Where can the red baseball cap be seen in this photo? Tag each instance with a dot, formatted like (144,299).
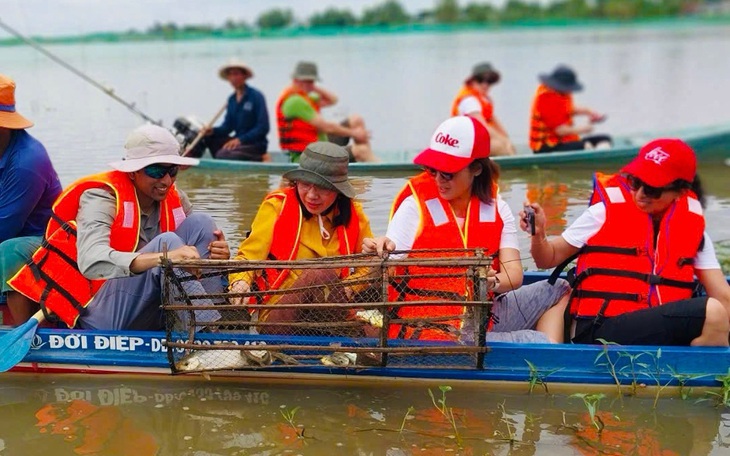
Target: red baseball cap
(663,161)
(456,143)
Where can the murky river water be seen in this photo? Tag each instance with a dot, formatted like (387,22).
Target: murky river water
(647,79)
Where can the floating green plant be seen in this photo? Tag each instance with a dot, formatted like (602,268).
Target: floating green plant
(592,402)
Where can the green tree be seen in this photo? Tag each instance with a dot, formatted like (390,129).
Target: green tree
(569,9)
(516,10)
(275,18)
(447,12)
(333,17)
(480,12)
(389,12)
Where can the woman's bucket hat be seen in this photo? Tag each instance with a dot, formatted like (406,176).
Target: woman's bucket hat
(324,164)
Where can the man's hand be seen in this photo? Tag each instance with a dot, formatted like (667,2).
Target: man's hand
(207,131)
(360,135)
(219,249)
(186,252)
(239,286)
(231,144)
(377,245)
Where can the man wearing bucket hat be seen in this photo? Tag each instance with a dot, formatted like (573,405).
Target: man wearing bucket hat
(551,124)
(28,187)
(639,246)
(455,204)
(473,100)
(316,216)
(247,119)
(299,121)
(98,268)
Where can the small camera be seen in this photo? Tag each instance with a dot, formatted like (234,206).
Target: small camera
(530,218)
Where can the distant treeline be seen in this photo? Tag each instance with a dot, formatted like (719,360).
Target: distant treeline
(392,13)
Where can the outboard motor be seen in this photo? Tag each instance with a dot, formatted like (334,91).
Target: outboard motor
(186,129)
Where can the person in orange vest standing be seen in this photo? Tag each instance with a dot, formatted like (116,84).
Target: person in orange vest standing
(98,267)
(28,187)
(315,216)
(552,128)
(300,123)
(457,205)
(639,246)
(473,100)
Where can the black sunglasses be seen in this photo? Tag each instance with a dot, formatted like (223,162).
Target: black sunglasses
(433,172)
(651,192)
(158,171)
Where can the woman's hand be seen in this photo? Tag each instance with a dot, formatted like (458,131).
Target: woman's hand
(239,286)
(540,221)
(377,245)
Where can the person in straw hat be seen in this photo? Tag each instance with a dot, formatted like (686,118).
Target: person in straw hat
(28,187)
(473,100)
(551,126)
(315,216)
(100,265)
(300,123)
(242,135)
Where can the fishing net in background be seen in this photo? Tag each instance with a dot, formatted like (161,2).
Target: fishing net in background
(426,309)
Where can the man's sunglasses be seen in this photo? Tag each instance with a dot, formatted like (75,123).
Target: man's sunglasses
(433,172)
(651,192)
(158,171)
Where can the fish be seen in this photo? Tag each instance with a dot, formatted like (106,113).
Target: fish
(339,359)
(373,317)
(202,360)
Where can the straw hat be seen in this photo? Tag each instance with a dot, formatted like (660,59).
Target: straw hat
(9,117)
(324,164)
(235,63)
(150,144)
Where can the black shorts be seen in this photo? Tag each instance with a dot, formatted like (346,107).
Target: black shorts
(674,323)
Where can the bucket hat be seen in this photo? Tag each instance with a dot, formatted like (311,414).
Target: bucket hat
(9,117)
(150,144)
(487,71)
(235,63)
(663,161)
(324,164)
(562,79)
(306,71)
(456,143)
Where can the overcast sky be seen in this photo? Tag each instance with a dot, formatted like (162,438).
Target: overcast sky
(70,17)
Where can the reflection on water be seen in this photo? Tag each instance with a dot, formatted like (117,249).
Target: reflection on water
(233,198)
(79,415)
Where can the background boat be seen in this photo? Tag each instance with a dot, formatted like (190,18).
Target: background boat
(711,143)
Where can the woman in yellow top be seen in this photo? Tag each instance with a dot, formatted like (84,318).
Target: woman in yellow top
(314,217)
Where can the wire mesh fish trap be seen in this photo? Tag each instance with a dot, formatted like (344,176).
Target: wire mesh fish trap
(425,309)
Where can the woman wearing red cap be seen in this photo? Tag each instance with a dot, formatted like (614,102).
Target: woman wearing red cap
(457,206)
(639,246)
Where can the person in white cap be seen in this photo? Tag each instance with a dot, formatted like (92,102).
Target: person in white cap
(99,267)
(242,135)
(457,205)
(28,187)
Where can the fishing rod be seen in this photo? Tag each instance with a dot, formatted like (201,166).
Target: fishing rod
(107,90)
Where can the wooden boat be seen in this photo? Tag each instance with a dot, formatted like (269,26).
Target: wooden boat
(712,144)
(128,352)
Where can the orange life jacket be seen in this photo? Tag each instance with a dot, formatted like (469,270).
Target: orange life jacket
(485,102)
(52,277)
(620,270)
(542,135)
(287,233)
(438,229)
(294,134)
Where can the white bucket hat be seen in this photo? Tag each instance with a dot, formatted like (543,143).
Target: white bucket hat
(150,144)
